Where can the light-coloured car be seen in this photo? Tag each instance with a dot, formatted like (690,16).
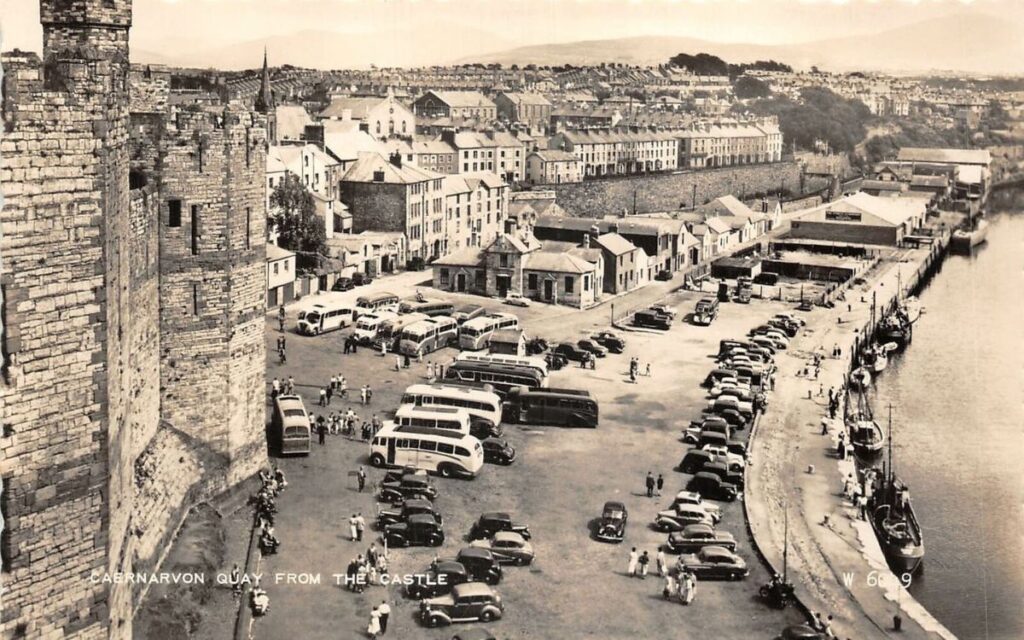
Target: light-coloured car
(508,547)
(691,498)
(722,453)
(517,300)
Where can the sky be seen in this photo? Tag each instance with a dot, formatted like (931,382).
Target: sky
(166,27)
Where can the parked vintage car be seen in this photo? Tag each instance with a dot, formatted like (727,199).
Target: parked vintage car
(420,530)
(437,580)
(592,347)
(714,563)
(800,632)
(680,516)
(612,525)
(691,498)
(664,309)
(695,537)
(409,508)
(406,487)
(474,633)
(735,460)
(663,275)
(694,460)
(508,547)
(711,487)
(724,471)
(360,279)
(467,602)
(516,300)
(480,563)
(571,352)
(494,522)
(610,341)
(498,451)
(343,284)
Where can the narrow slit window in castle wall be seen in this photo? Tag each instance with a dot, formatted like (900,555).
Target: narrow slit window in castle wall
(174,213)
(195,229)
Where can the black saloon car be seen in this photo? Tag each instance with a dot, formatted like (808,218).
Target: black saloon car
(711,487)
(420,530)
(438,580)
(409,508)
(498,451)
(343,284)
(612,526)
(491,523)
(571,352)
(481,565)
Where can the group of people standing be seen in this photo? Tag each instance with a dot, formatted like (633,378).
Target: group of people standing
(634,369)
(683,587)
(366,570)
(653,486)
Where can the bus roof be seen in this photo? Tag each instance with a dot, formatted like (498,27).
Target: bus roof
(496,367)
(487,320)
(451,412)
(433,389)
(376,297)
(394,430)
(558,392)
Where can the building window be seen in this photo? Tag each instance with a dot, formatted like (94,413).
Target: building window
(586,283)
(195,299)
(195,229)
(444,276)
(504,260)
(275,268)
(532,281)
(174,213)
(569,283)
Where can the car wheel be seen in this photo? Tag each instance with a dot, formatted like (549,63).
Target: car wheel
(445,470)
(435,621)
(435,541)
(377,460)
(486,616)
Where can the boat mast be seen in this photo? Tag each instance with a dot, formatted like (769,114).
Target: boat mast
(785,547)
(890,446)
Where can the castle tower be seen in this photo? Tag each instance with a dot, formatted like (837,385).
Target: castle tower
(66,464)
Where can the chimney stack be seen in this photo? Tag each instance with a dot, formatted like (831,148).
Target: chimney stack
(396,159)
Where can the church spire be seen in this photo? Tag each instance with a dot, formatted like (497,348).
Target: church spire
(265,97)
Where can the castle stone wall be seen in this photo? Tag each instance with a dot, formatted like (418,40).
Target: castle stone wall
(668,192)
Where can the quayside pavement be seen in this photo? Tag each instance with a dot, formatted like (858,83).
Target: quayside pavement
(837,566)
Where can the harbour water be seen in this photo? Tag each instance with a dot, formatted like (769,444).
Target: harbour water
(958,408)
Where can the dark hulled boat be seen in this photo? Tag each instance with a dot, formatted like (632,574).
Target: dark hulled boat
(894,521)
(866,436)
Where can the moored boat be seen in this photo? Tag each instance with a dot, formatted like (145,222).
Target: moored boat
(860,379)
(866,436)
(967,239)
(893,519)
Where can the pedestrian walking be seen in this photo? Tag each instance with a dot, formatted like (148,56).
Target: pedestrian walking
(321,431)
(355,346)
(406,361)
(862,503)
(649,483)
(280,318)
(291,384)
(348,346)
(632,376)
(430,371)
(398,362)
(644,561)
(847,484)
(362,394)
(384,348)
(659,485)
(330,394)
(385,612)
(647,370)
(440,371)
(343,387)
(334,383)
(323,397)
(236,580)
(633,558)
(360,526)
(369,397)
(662,563)
(275,388)
(361,478)
(353,528)
(687,587)
(373,630)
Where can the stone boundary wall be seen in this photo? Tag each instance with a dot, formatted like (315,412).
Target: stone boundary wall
(669,192)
